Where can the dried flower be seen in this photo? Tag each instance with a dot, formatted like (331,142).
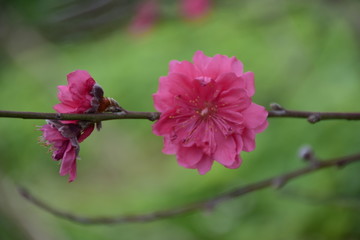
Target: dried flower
(207,113)
(81,95)
(64,140)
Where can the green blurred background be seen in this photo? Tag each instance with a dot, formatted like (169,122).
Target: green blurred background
(305,56)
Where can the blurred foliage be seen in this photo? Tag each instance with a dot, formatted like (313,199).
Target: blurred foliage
(305,55)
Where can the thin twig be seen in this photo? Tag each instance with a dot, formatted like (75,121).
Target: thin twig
(210,203)
(276,112)
(352,202)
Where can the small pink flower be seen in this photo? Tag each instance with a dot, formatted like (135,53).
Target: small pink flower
(64,140)
(81,95)
(76,97)
(194,8)
(207,113)
(146,15)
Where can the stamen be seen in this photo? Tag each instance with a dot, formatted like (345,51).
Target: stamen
(204,112)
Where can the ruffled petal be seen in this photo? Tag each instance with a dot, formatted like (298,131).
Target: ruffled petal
(64,95)
(67,162)
(169,146)
(229,80)
(80,79)
(237,162)
(249,83)
(189,156)
(226,152)
(204,165)
(223,64)
(72,173)
(201,60)
(63,108)
(262,127)
(164,125)
(237,66)
(59,150)
(51,134)
(235,99)
(184,67)
(255,116)
(248,138)
(173,86)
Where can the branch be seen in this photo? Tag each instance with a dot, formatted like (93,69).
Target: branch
(93,117)
(210,203)
(276,112)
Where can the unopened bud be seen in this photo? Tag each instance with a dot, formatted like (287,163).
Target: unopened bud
(276,107)
(306,153)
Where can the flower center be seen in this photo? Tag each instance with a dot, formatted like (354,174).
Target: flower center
(207,110)
(204,112)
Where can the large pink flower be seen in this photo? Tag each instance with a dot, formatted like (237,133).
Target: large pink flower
(207,113)
(64,140)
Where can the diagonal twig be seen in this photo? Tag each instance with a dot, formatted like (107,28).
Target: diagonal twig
(210,203)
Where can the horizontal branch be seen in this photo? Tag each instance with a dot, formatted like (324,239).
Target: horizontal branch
(277,182)
(276,112)
(93,117)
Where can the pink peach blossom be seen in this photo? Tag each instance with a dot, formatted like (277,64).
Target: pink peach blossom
(76,97)
(194,8)
(207,113)
(81,95)
(147,13)
(64,140)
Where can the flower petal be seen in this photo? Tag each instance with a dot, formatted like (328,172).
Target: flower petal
(229,80)
(165,124)
(201,60)
(72,173)
(223,64)
(237,162)
(169,147)
(226,151)
(235,98)
(255,116)
(184,67)
(189,156)
(248,138)
(204,165)
(173,86)
(249,83)
(67,162)
(86,133)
